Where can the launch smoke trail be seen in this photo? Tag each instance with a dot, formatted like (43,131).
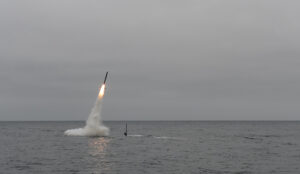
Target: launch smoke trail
(94,126)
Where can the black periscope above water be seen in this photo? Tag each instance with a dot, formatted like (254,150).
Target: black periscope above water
(125,133)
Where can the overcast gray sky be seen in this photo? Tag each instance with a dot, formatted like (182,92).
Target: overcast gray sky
(168,60)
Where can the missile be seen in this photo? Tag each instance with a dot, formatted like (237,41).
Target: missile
(105,77)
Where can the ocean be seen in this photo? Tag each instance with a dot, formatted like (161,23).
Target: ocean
(165,147)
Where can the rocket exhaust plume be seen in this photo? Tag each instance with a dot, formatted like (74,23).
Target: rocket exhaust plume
(94,126)
(101,91)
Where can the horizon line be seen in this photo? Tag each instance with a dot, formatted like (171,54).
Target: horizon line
(129,120)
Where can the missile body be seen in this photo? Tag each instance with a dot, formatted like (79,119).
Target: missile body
(105,77)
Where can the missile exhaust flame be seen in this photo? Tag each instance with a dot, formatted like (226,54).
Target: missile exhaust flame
(101,91)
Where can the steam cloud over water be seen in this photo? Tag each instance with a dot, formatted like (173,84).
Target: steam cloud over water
(94,126)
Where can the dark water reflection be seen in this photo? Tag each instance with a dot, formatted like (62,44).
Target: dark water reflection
(152,147)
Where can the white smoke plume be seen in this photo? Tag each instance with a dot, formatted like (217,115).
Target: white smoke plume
(94,126)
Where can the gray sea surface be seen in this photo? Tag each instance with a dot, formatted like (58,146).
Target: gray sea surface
(152,147)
